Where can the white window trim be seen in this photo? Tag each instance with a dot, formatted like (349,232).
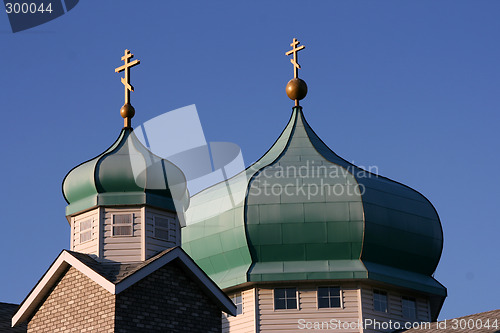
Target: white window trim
(341,293)
(386,300)
(121,224)
(296,299)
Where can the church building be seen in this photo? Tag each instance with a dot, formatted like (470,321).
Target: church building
(300,239)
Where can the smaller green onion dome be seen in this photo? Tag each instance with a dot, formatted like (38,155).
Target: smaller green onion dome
(127,173)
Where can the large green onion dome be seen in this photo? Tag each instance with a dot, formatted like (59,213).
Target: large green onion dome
(127,173)
(301,212)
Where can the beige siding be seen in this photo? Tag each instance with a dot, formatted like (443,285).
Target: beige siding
(395,307)
(291,320)
(259,314)
(121,248)
(90,246)
(138,247)
(153,244)
(245,322)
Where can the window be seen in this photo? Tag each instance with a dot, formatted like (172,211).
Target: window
(409,307)
(380,300)
(329,297)
(285,298)
(162,225)
(238,301)
(85,230)
(122,225)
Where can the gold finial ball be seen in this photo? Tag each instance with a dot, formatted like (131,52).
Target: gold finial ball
(296,89)
(127,111)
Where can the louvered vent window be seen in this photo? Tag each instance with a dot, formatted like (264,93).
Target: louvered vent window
(122,225)
(380,301)
(85,230)
(162,226)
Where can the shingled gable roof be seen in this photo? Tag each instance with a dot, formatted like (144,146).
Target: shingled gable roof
(115,277)
(6,312)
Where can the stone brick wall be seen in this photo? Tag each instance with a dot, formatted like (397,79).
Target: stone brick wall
(166,301)
(76,304)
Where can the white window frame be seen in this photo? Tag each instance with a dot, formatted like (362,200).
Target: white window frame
(84,231)
(411,299)
(296,299)
(386,294)
(167,229)
(341,296)
(113,224)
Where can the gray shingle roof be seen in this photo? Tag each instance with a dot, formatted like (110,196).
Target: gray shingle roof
(7,310)
(115,272)
(471,324)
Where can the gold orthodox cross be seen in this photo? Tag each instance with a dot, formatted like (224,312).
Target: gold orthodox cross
(126,67)
(295,59)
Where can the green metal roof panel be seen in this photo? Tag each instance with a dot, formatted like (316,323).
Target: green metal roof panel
(301,216)
(314,269)
(219,240)
(385,202)
(115,171)
(81,205)
(120,199)
(226,202)
(127,173)
(79,183)
(296,186)
(406,279)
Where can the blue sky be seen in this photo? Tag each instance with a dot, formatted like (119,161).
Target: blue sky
(411,87)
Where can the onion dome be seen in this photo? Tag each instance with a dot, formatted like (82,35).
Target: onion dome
(301,212)
(127,173)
